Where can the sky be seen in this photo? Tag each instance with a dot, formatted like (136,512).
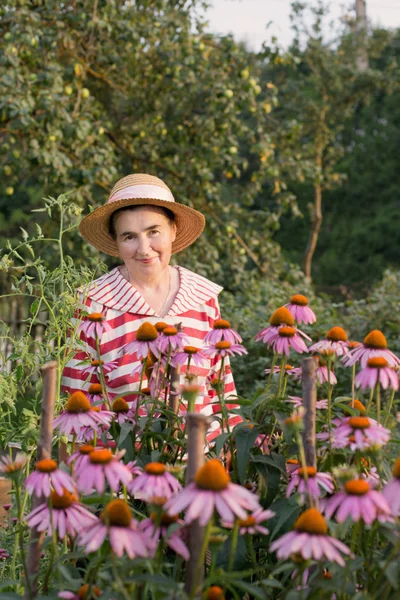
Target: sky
(247,19)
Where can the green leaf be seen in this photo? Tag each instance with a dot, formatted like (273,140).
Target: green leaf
(245,438)
(248,588)
(126,428)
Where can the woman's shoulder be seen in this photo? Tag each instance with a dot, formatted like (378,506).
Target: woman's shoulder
(106,282)
(198,284)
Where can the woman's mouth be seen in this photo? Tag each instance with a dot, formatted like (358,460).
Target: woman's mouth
(146,261)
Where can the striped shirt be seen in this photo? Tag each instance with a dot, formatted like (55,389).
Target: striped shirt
(195,307)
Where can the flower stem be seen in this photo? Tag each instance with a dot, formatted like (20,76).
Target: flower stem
(199,566)
(389,409)
(234,541)
(378,402)
(21,537)
(304,465)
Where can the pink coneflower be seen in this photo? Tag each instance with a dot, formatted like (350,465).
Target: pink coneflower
(287,338)
(95,393)
(155,482)
(392,490)
(46,477)
(94,325)
(212,489)
(262,441)
(134,468)
(315,482)
(12,466)
(357,501)
(172,339)
(374,345)
(196,356)
(281,316)
(310,540)
(97,365)
(376,371)
(103,467)
(68,516)
(85,592)
(322,373)
(81,457)
(122,530)
(222,331)
(224,348)
(336,340)
(4,554)
(360,433)
(146,341)
(79,414)
(298,401)
(289,370)
(123,411)
(252,523)
(157,526)
(292,465)
(298,307)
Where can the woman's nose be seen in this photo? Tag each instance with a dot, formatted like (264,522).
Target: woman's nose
(143,246)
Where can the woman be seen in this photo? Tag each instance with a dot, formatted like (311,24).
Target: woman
(143,225)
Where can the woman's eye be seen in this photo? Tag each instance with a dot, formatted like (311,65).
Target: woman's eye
(154,232)
(129,237)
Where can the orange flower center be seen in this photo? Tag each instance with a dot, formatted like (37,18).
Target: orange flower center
(145,391)
(120,405)
(248,522)
(358,406)
(63,501)
(396,469)
(295,420)
(77,403)
(299,299)
(96,363)
(221,324)
(359,422)
(190,349)
(84,594)
(336,334)
(375,339)
(169,331)
(287,332)
(117,512)
(377,362)
(327,574)
(86,449)
(146,333)
(47,465)
(96,317)
(357,487)
(311,472)
(292,461)
(95,388)
(14,466)
(160,326)
(223,345)
(311,521)
(288,367)
(353,344)
(282,316)
(101,457)
(215,593)
(155,468)
(212,476)
(165,519)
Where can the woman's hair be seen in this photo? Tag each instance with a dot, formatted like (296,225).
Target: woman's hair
(111,226)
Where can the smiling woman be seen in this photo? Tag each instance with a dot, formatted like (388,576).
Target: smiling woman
(143,225)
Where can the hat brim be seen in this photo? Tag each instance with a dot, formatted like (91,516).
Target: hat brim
(94,227)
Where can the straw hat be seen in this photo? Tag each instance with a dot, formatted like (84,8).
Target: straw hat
(141,189)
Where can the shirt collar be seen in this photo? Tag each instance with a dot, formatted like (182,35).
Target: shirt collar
(113,291)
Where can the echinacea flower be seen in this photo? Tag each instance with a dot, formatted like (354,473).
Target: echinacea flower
(357,501)
(10,467)
(392,490)
(172,339)
(47,477)
(123,411)
(80,458)
(289,370)
(154,482)
(359,433)
(117,524)
(85,592)
(156,527)
(222,331)
(98,365)
(287,338)
(67,515)
(94,325)
(103,467)
(95,393)
(79,414)
(292,465)
(377,370)
(315,481)
(146,341)
(374,345)
(252,524)
(322,373)
(4,554)
(195,355)
(281,316)
(309,540)
(298,307)
(298,401)
(224,348)
(336,340)
(212,489)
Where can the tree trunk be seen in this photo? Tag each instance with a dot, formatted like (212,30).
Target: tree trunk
(316,220)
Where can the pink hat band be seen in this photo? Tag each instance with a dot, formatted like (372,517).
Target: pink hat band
(142,191)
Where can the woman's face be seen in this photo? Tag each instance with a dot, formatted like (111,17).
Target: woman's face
(144,239)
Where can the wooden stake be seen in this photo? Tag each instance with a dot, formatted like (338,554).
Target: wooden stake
(309,384)
(49,374)
(197,426)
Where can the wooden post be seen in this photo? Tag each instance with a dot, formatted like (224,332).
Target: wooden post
(49,373)
(309,384)
(361,33)
(197,426)
(173,400)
